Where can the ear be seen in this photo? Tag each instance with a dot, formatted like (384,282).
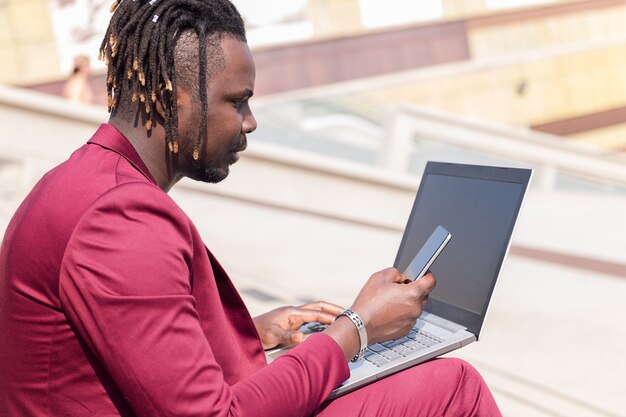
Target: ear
(183,100)
(184,103)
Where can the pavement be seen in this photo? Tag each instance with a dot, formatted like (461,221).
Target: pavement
(553,343)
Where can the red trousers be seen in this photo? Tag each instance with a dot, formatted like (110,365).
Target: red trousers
(443,387)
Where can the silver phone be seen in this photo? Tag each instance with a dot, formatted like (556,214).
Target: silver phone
(427,254)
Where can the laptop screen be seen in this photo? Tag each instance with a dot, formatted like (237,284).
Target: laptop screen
(479,206)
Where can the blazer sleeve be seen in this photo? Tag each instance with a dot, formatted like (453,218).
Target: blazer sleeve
(125,286)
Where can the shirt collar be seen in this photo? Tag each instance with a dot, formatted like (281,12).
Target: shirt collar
(107,136)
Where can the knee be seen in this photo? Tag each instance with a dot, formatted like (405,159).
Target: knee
(461,365)
(460,370)
(468,392)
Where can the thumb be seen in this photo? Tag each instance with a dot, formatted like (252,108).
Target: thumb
(294,337)
(427,282)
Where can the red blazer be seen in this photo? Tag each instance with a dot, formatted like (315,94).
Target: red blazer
(111,305)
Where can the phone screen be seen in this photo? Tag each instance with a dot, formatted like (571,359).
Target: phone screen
(428,253)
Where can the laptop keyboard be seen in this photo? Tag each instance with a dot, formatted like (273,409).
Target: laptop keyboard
(383,353)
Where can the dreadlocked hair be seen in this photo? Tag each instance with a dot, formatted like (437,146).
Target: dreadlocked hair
(139,50)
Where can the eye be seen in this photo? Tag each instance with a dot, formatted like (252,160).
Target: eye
(239,103)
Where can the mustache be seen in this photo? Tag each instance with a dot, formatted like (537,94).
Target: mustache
(241,144)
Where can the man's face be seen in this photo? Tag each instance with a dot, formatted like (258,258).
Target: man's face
(229,117)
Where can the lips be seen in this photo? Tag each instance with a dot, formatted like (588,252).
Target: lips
(241,145)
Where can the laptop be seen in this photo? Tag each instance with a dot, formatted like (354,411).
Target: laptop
(479,206)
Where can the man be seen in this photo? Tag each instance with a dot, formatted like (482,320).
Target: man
(78,88)
(111,305)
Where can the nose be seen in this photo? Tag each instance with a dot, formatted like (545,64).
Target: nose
(249,123)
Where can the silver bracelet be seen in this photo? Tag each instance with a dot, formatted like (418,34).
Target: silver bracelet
(360,327)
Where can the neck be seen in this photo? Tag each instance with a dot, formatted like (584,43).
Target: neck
(151,149)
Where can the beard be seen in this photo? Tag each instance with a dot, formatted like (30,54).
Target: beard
(202,170)
(205,173)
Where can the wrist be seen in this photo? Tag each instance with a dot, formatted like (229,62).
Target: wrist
(359,324)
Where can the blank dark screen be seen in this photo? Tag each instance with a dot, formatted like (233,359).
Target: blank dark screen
(480,215)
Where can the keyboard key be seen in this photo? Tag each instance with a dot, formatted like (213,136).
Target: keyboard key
(377,360)
(402,350)
(414,345)
(433,337)
(372,356)
(390,354)
(369,354)
(395,342)
(394,358)
(383,353)
(426,341)
(376,347)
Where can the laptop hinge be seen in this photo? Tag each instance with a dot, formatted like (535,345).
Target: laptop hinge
(441,322)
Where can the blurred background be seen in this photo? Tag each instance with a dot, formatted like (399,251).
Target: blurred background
(352,98)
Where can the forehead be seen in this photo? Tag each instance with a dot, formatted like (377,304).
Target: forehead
(238,72)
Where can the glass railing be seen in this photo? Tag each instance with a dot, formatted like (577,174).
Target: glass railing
(352,130)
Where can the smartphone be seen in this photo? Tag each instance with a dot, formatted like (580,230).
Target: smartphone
(427,254)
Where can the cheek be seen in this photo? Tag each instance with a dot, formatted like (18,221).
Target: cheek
(217,144)
(223,129)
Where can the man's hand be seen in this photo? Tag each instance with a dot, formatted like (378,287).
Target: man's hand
(388,306)
(280,326)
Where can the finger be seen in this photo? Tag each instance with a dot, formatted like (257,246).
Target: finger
(288,337)
(426,283)
(394,275)
(296,337)
(323,306)
(304,315)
